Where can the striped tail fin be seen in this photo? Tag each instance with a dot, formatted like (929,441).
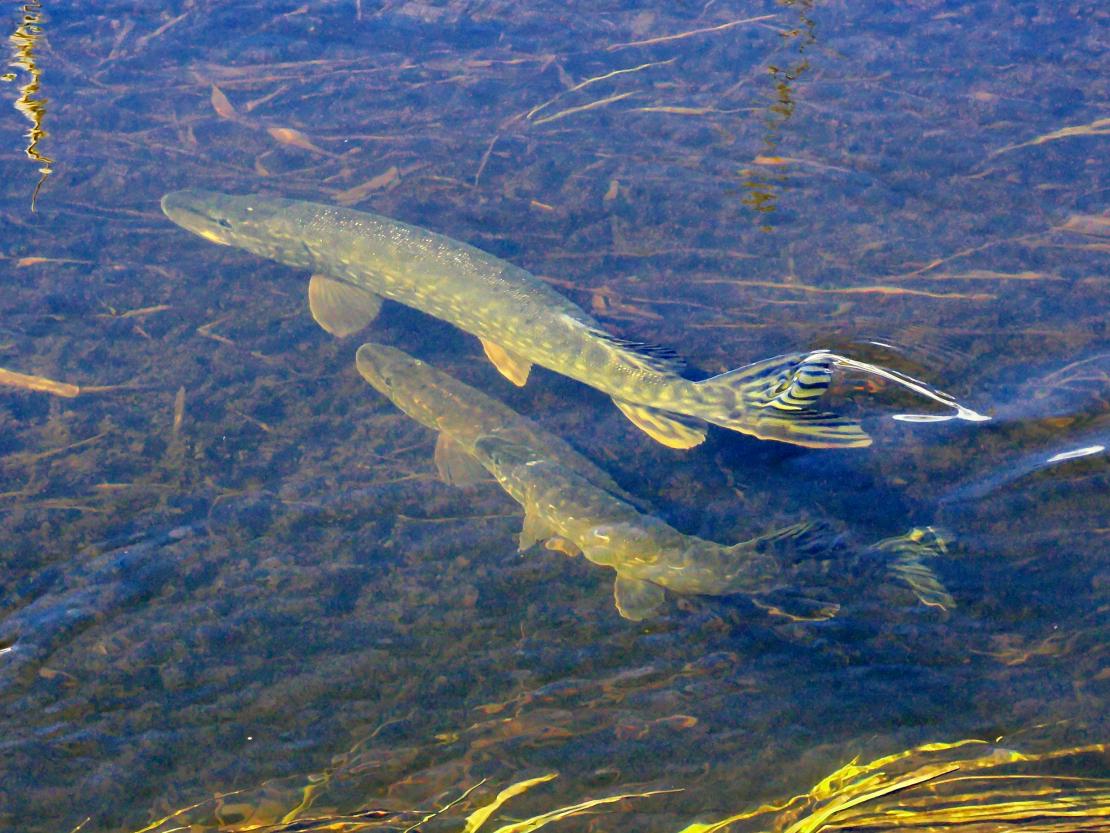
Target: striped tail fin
(772,400)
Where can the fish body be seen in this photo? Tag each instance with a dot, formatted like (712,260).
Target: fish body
(566,497)
(358,258)
(646,553)
(463,416)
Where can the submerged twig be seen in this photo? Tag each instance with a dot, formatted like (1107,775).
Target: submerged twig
(1095,128)
(691,33)
(41,383)
(584,107)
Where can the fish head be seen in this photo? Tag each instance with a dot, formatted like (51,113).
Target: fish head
(419,390)
(257,224)
(381,367)
(407,382)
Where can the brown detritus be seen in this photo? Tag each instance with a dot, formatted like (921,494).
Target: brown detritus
(39,383)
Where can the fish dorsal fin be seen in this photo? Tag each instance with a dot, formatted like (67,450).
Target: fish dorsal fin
(637,599)
(535,528)
(786,383)
(653,357)
(340,308)
(673,430)
(512,367)
(456,466)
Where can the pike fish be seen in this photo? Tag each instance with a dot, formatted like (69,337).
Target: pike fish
(358,258)
(463,416)
(567,500)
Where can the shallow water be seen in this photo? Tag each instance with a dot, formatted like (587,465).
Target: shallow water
(259,584)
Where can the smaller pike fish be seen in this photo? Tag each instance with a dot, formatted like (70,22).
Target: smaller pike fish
(566,498)
(463,416)
(647,554)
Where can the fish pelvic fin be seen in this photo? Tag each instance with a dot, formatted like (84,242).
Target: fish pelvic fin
(637,599)
(672,430)
(772,399)
(456,466)
(564,545)
(536,528)
(340,308)
(512,367)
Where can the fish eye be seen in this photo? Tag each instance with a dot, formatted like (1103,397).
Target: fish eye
(223,223)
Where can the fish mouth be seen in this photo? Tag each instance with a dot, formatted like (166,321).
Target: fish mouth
(197,211)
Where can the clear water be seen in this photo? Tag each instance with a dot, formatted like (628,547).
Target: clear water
(278,597)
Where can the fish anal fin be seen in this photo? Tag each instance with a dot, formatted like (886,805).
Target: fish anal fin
(535,529)
(808,430)
(637,599)
(672,430)
(456,466)
(340,308)
(512,367)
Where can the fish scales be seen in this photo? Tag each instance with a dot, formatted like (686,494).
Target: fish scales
(520,316)
(646,553)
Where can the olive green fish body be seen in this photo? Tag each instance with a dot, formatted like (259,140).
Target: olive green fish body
(564,495)
(612,533)
(463,414)
(509,308)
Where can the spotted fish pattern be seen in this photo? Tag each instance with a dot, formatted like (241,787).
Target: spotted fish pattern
(358,258)
(647,554)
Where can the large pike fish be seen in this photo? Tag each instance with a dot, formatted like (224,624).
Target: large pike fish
(357,259)
(567,500)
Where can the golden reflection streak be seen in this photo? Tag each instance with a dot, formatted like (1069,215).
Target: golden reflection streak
(25,38)
(763,188)
(852,290)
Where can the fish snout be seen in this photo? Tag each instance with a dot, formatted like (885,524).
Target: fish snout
(373,367)
(198,212)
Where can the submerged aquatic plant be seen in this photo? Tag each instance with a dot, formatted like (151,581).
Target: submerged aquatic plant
(943,785)
(968,785)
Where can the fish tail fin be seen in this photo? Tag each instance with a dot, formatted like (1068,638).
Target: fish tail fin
(907,565)
(772,399)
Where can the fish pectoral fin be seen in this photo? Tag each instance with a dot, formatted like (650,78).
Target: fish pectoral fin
(512,367)
(456,466)
(637,599)
(535,529)
(340,308)
(673,430)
